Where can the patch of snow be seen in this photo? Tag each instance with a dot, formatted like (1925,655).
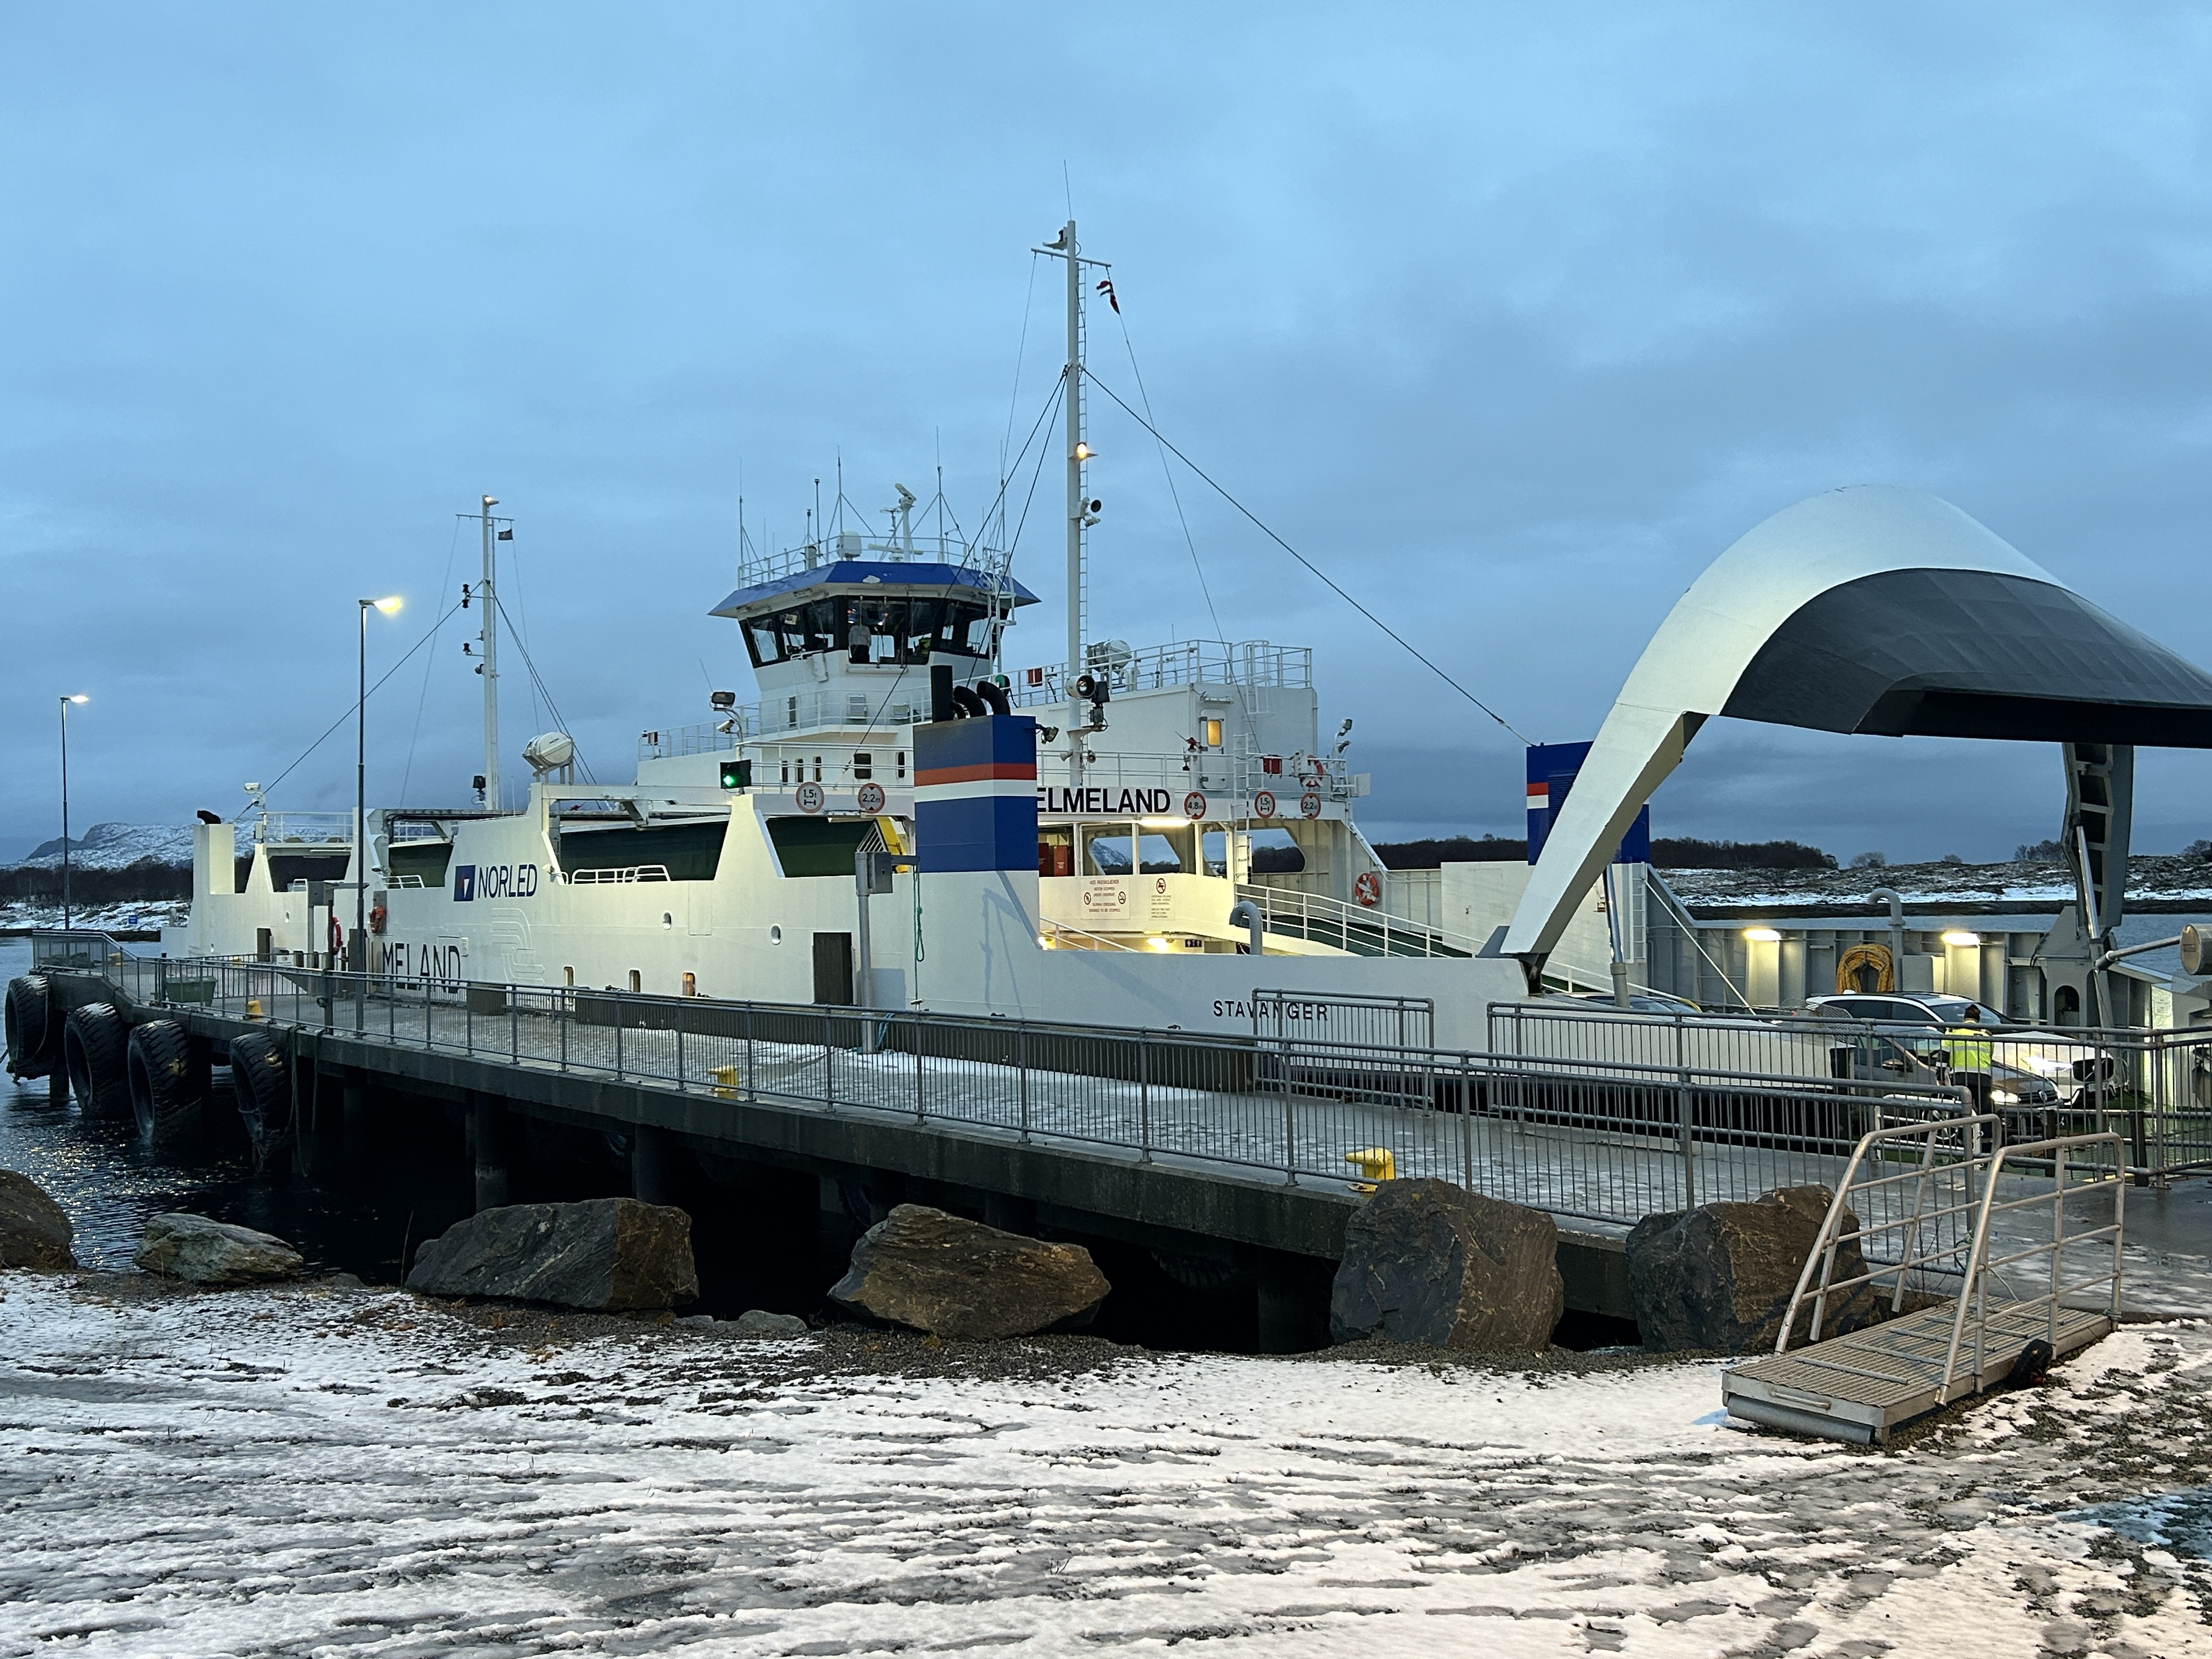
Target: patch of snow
(298,1471)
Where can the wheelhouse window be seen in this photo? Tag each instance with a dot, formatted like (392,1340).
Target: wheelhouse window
(886,632)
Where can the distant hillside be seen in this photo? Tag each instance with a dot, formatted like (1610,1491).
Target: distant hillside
(119,846)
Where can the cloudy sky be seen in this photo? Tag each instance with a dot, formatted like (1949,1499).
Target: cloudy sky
(1510,318)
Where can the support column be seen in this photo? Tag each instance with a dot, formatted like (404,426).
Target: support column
(358,1124)
(1293,1318)
(489,1138)
(652,1165)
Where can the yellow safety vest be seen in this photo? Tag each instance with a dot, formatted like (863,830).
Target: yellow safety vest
(1970,1049)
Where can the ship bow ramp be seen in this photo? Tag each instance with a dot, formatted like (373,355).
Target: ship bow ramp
(1875,609)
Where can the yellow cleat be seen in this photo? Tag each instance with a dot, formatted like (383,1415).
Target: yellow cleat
(1376,1163)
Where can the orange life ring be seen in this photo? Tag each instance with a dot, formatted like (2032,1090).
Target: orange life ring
(337,935)
(376,920)
(1368,890)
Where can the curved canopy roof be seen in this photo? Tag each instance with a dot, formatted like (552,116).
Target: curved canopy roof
(1873,610)
(871,573)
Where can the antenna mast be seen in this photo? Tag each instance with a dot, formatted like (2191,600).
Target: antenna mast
(489,668)
(1077,453)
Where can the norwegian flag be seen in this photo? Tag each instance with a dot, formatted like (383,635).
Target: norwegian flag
(1106,288)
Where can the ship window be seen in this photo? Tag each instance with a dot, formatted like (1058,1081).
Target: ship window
(864,766)
(1162,855)
(1274,853)
(1106,849)
(817,769)
(784,763)
(899,760)
(1214,734)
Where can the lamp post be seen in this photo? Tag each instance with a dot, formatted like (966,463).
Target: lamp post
(359,953)
(66,701)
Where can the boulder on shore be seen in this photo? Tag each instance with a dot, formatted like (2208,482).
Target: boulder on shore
(604,1253)
(1720,1276)
(757,1322)
(1426,1261)
(34,1232)
(204,1252)
(955,1278)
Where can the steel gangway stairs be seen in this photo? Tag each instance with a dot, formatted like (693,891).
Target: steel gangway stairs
(1948,1264)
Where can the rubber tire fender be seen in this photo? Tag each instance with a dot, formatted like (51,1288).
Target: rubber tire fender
(263,1083)
(167,1091)
(33,1033)
(96,1046)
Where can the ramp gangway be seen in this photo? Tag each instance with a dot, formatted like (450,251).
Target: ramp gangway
(1946,1258)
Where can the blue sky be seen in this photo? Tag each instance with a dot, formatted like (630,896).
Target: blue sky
(1510,318)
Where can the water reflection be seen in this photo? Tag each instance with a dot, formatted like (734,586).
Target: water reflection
(110,1183)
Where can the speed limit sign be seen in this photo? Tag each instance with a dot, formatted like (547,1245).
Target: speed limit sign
(1310,803)
(1263,804)
(810,798)
(871,797)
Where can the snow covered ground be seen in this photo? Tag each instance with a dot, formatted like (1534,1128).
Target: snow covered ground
(308,1471)
(137,916)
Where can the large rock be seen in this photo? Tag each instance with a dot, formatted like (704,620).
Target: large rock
(204,1252)
(33,1231)
(951,1277)
(1428,1262)
(607,1253)
(1720,1276)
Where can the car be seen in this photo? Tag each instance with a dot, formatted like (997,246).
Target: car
(1905,1008)
(1642,1002)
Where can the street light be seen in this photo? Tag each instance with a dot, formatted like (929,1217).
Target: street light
(360,951)
(66,700)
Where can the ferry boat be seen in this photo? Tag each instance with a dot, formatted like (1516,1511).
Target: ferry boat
(1189,812)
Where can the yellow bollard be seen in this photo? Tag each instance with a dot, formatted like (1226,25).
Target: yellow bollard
(253,1007)
(1376,1163)
(725,1082)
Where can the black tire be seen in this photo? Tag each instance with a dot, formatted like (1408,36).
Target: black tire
(33,1033)
(95,1052)
(168,1090)
(263,1088)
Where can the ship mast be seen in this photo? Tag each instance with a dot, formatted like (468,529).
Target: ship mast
(1077,515)
(489,667)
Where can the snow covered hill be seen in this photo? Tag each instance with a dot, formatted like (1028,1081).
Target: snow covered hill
(113,846)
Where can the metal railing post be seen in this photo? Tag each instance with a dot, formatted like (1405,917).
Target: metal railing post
(683,1078)
(514,1025)
(1021,1074)
(1290,1115)
(564,1012)
(921,1102)
(618,1033)
(828,1064)
(1683,1112)
(1143,1099)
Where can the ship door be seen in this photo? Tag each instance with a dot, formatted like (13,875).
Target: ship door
(833,968)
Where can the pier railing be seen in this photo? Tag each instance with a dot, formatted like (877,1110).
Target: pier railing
(1293,1107)
(2152,1088)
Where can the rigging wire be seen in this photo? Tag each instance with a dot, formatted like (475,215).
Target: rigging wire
(444,584)
(1326,578)
(559,720)
(1014,397)
(522,606)
(1037,473)
(1167,472)
(358,701)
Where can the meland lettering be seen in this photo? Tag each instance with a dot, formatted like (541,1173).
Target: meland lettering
(1106,802)
(475,881)
(439,964)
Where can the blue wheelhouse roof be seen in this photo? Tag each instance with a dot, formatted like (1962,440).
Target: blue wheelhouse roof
(878,574)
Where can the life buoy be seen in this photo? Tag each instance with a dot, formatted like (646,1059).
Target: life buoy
(376,920)
(1368,890)
(337,935)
